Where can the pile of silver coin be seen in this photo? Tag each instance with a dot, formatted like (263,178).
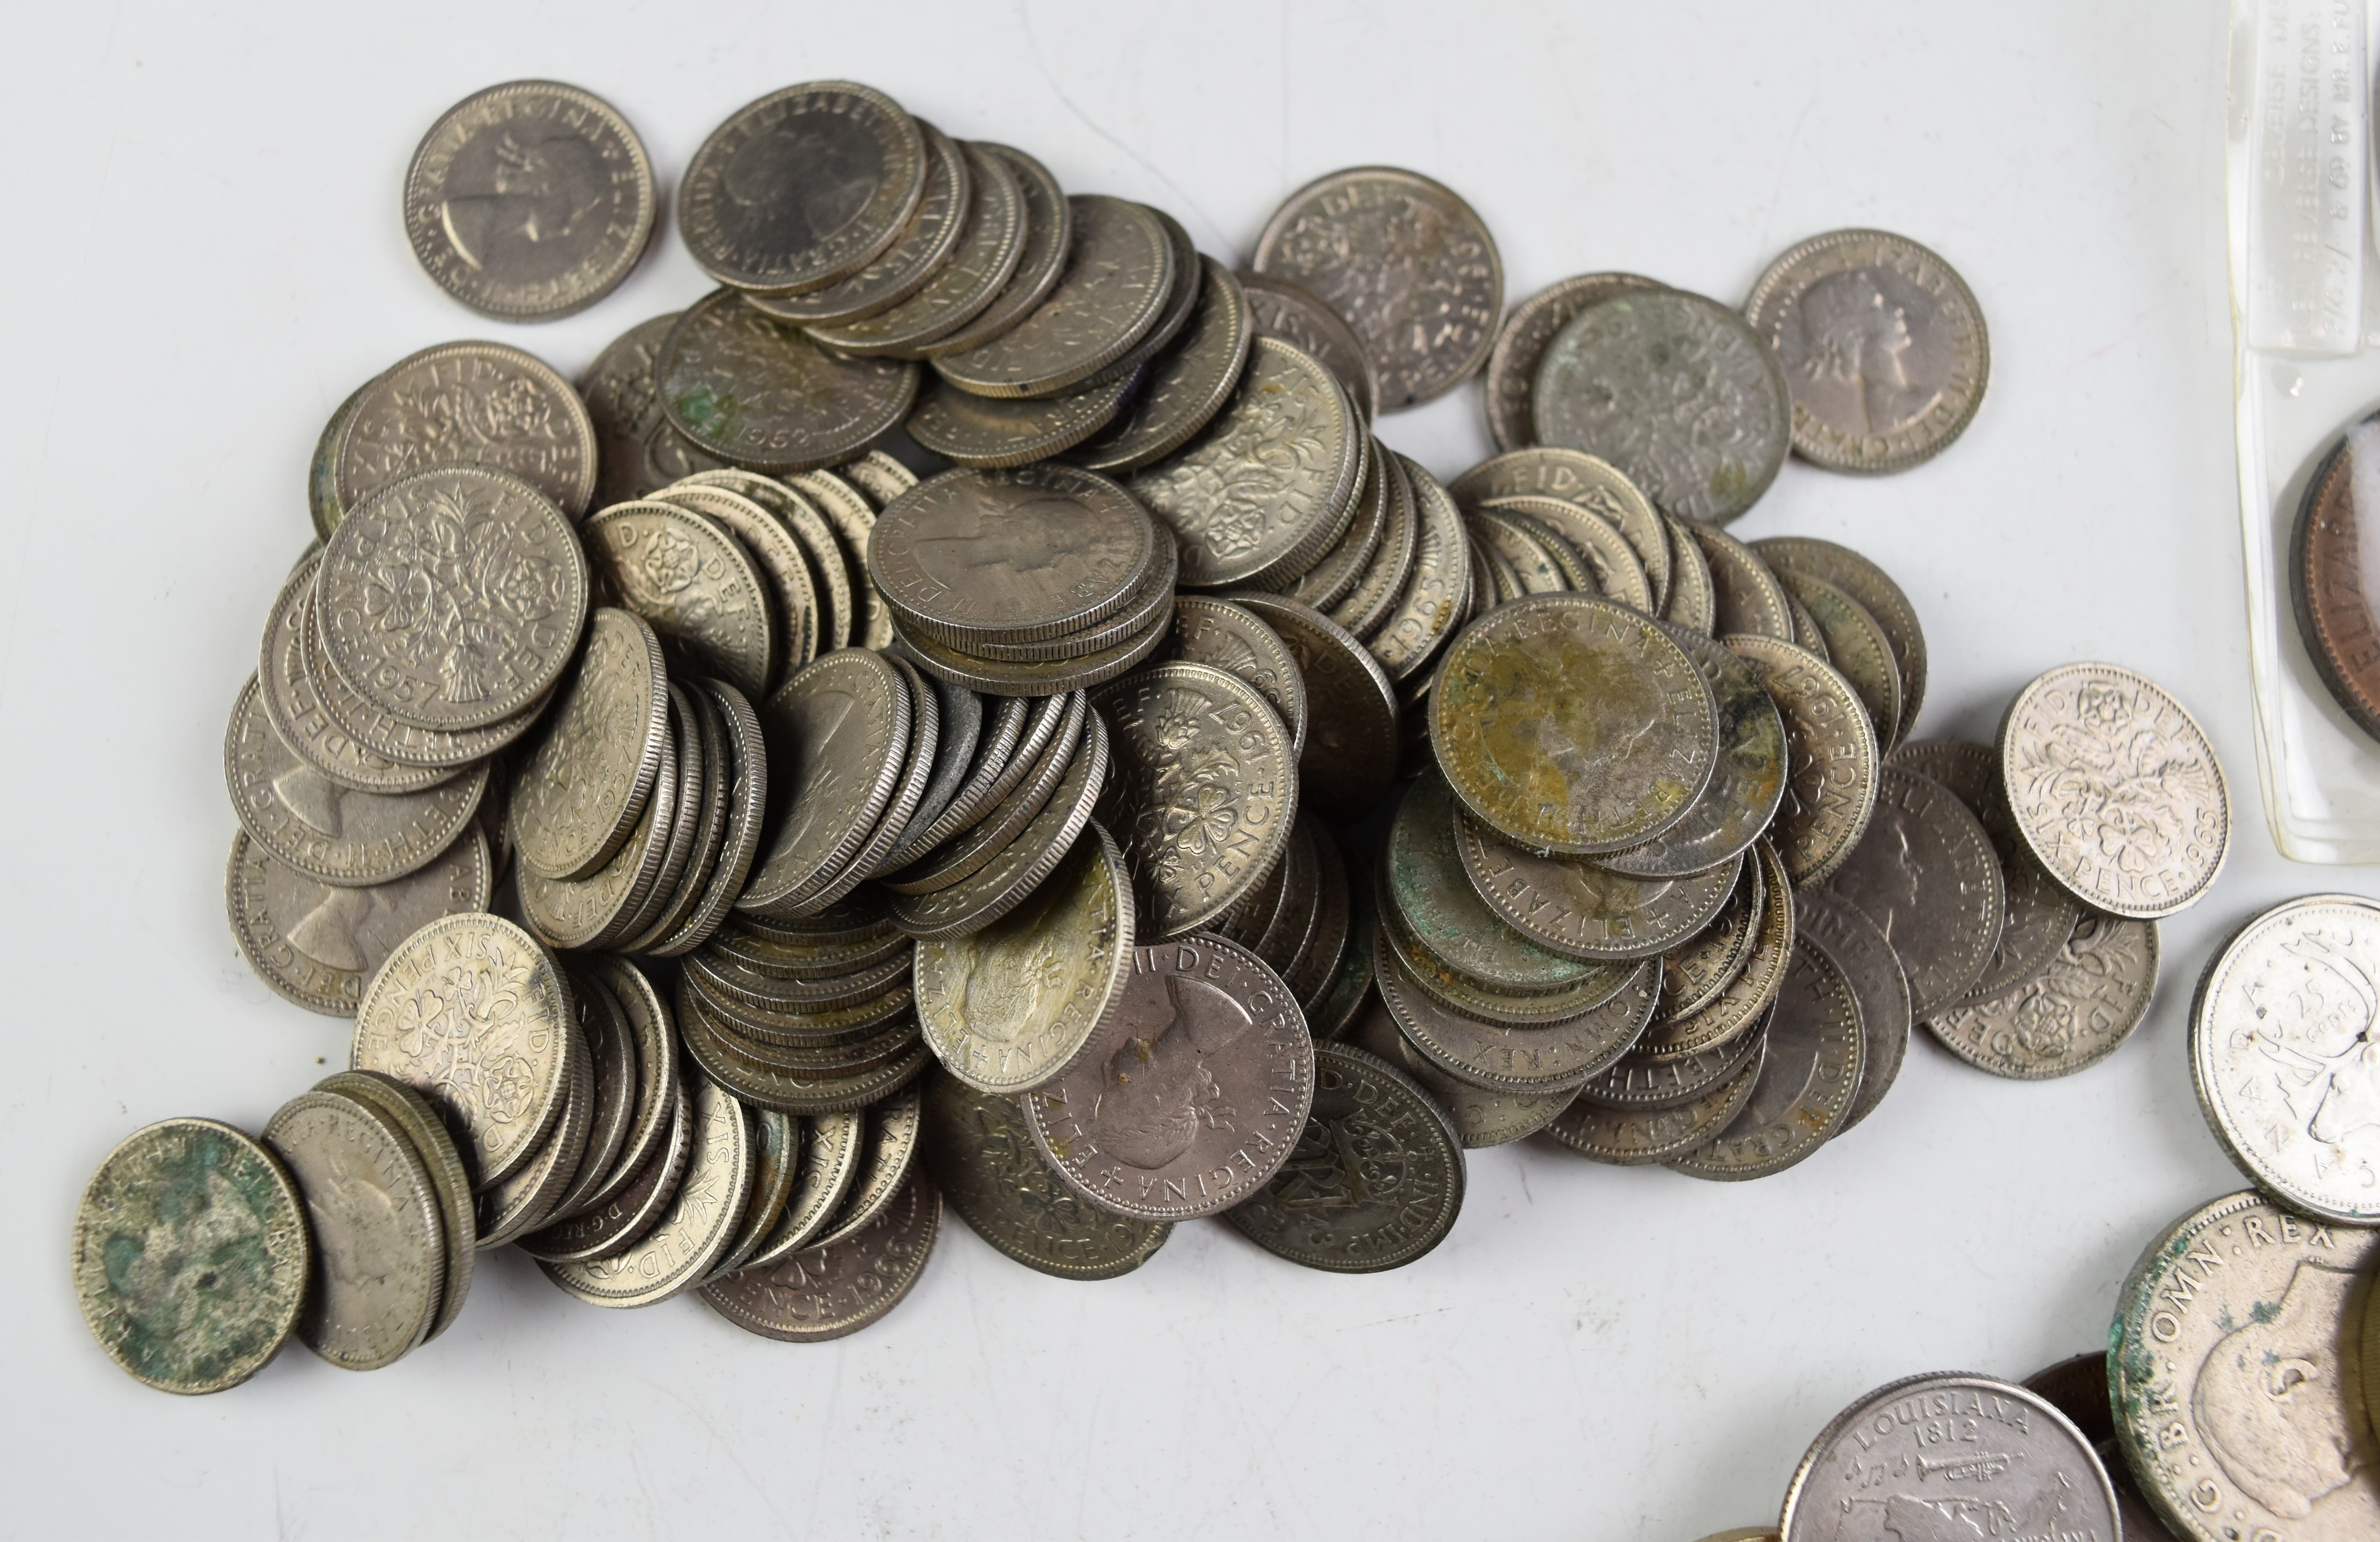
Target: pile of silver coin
(972,709)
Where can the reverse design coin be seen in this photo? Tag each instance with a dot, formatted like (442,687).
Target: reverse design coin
(1230,638)
(2115,787)
(470,404)
(1883,348)
(316,943)
(828,1293)
(638,453)
(1926,874)
(191,1255)
(1521,344)
(2238,1402)
(587,777)
(2284,1050)
(380,1238)
(1677,392)
(1832,763)
(1591,486)
(699,1224)
(981,1153)
(1377,1177)
(295,708)
(693,584)
(529,201)
(1817,1055)
(2073,1012)
(1208,1078)
(757,392)
(1408,265)
(1347,760)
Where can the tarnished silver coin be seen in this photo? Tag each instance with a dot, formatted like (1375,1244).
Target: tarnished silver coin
(1053,677)
(1270,485)
(1677,392)
(1520,343)
(588,775)
(1048,238)
(1639,1135)
(191,1255)
(967,853)
(990,432)
(295,709)
(699,1224)
(2115,787)
(1384,503)
(1406,261)
(322,472)
(1010,556)
(316,944)
(1375,1180)
(1745,596)
(837,733)
(412,1115)
(695,584)
(1637,1081)
(1185,388)
(2239,1403)
(380,1240)
(776,1159)
(1232,638)
(1692,602)
(598,909)
(1832,766)
(1553,763)
(524,1201)
(1295,314)
(1905,1454)
(832,1152)
(1854,643)
(1013,874)
(1552,1055)
(1883,346)
(1434,603)
(1746,787)
(1844,934)
(1118,279)
(1876,592)
(2069,1015)
(1481,1116)
(901,268)
(802,187)
(1695,972)
(1347,763)
(615,1223)
(1740,1003)
(991,244)
(529,201)
(1424,876)
(1205,1026)
(470,404)
(452,599)
(828,1293)
(1816,1053)
(637,451)
(2284,1050)
(1593,556)
(1583,911)
(1926,874)
(1591,486)
(757,392)
(616,1082)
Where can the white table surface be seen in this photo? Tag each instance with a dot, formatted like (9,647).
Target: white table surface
(205,255)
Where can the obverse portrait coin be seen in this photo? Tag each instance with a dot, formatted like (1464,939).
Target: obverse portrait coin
(1883,346)
(412,1114)
(1375,1179)
(191,1255)
(1816,1054)
(1232,638)
(1010,556)
(470,404)
(1406,261)
(2282,1041)
(829,1293)
(1433,896)
(1832,765)
(1118,279)
(759,392)
(1481,1116)
(638,452)
(1185,388)
(2115,787)
(1572,724)
(1346,764)
(529,201)
(1876,593)
(1203,1026)
(317,944)
(471,1013)
(901,268)
(1582,911)
(699,1223)
(837,733)
(1016,1004)
(991,243)
(802,187)
(1880,985)
(1548,1054)
(1297,315)
(2073,1012)
(1639,1135)
(982,1153)
(380,1239)
(1677,392)
(1635,1081)
(1520,343)
(2240,1404)
(1926,874)
(1881,1460)
(589,771)
(1747,786)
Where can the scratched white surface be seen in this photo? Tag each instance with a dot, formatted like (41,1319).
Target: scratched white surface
(205,256)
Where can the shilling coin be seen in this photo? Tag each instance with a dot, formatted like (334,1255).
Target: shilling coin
(1677,392)
(295,708)
(1203,1026)
(1882,1460)
(1641,1136)
(828,1293)
(1047,239)
(891,1144)
(1187,388)
(982,1157)
(802,187)
(1012,876)
(1385,500)
(323,473)
(1375,1179)
(1555,763)
(529,201)
(411,1114)
(830,1153)
(1432,606)
(1406,261)
(1831,767)
(1016,1004)
(1746,597)
(1583,911)
(380,1240)
(1866,955)
(1742,1001)
(758,393)
(989,432)
(2115,787)
(317,944)
(2041,915)
(697,1227)
(2282,1047)
(1876,593)
(1424,880)
(837,733)
(1550,1056)
(1695,971)
(1816,1054)
(1203,794)
(638,453)
(1520,343)
(1244,514)
(1295,314)
(1746,787)
(1011,556)
(1232,638)
(452,599)
(470,404)
(1926,875)
(589,773)
(1118,279)
(191,1255)
(330,832)
(1855,645)
(1591,486)
(1481,1117)
(991,244)
(471,1013)
(1882,344)
(901,268)
(803,616)
(2073,1012)
(1348,759)
(2239,1405)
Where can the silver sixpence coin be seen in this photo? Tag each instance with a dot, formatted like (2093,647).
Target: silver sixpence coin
(827,1293)
(699,1224)
(1230,638)
(638,452)
(1817,1051)
(529,201)
(837,735)
(1010,556)
(1878,983)
(296,707)
(1118,279)
(992,242)
(1520,343)
(588,775)
(380,1238)
(923,246)
(1926,874)
(1346,762)
(2072,1013)
(1046,241)
(1185,388)
(1877,594)
(1746,787)
(693,584)
(470,404)
(759,393)
(316,943)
